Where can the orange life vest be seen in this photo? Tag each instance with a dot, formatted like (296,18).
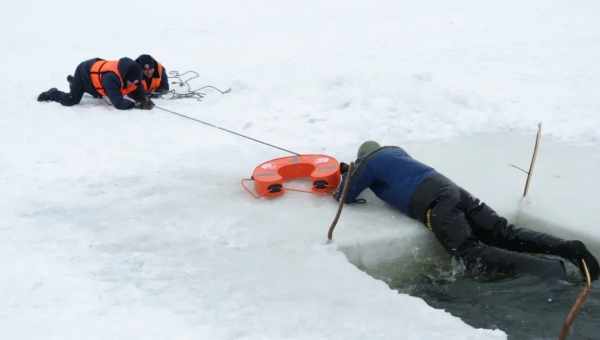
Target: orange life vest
(155,82)
(101,67)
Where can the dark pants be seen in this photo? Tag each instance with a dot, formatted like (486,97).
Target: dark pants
(473,232)
(79,84)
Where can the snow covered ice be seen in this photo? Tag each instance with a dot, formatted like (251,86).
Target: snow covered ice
(132,224)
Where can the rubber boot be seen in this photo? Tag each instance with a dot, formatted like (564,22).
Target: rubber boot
(48,96)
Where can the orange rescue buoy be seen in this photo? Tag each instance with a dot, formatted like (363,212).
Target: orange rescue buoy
(323,171)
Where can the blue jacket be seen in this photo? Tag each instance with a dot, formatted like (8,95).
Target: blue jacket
(391,173)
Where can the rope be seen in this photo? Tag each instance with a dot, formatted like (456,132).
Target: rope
(286,188)
(183,80)
(214,88)
(308,191)
(578,304)
(341,205)
(179,80)
(226,130)
(246,188)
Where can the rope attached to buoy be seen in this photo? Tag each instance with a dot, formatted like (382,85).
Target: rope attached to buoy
(243,181)
(224,129)
(251,192)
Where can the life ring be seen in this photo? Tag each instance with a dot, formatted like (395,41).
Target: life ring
(323,171)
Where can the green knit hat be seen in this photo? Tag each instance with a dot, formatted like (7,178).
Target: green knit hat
(366,148)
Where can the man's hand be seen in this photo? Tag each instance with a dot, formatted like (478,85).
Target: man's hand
(338,191)
(343,168)
(158,94)
(575,251)
(335,193)
(146,104)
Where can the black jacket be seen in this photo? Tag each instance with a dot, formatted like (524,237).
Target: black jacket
(111,83)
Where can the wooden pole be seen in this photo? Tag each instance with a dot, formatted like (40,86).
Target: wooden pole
(533,158)
(341,205)
(578,304)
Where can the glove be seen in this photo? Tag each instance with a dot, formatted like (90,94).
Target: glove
(157,94)
(343,168)
(146,104)
(575,251)
(337,193)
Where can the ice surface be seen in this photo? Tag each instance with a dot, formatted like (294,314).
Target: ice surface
(119,225)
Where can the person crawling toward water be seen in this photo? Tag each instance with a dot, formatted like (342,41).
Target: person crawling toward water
(466,227)
(114,79)
(155,80)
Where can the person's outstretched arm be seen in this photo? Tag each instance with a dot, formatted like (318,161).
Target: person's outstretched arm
(360,179)
(164,82)
(112,87)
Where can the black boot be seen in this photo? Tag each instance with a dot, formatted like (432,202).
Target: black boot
(48,96)
(70,79)
(575,251)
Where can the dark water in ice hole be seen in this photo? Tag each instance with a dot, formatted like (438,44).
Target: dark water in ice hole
(524,307)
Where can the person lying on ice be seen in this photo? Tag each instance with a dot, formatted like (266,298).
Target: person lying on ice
(466,227)
(156,81)
(102,78)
